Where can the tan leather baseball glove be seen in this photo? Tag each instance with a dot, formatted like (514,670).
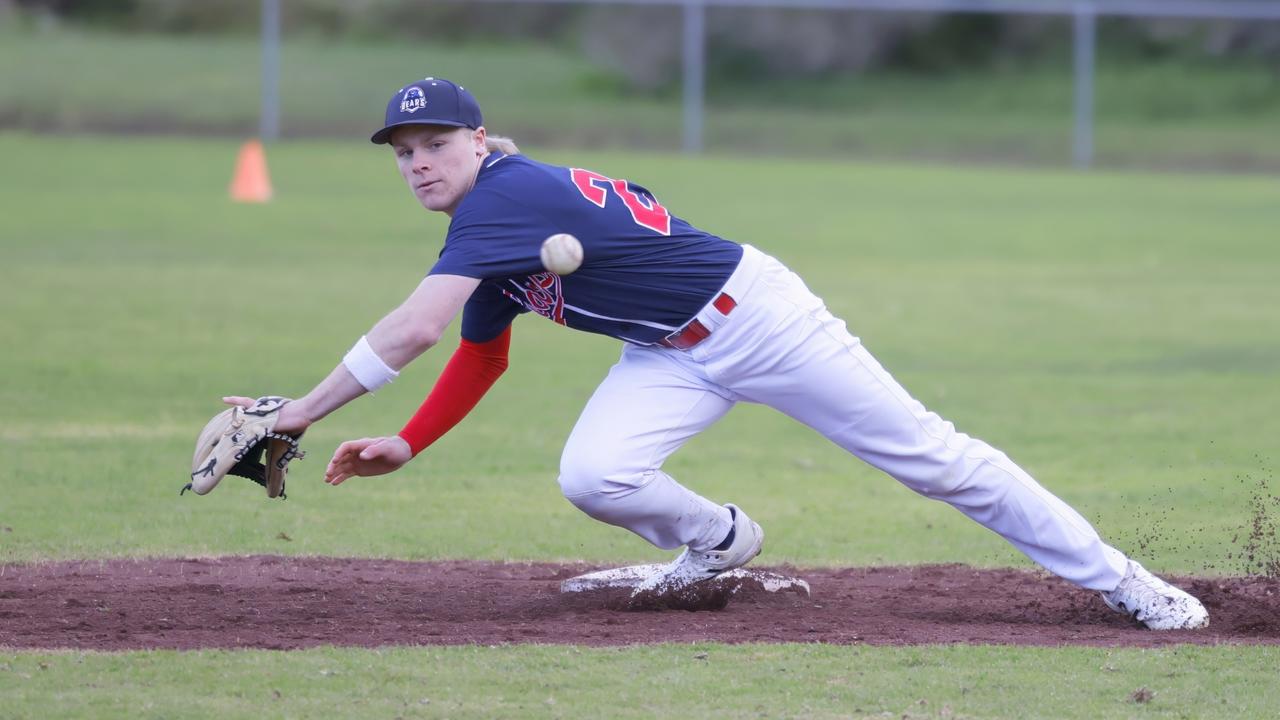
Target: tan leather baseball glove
(235,441)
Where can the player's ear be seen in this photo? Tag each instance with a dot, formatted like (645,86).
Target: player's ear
(478,137)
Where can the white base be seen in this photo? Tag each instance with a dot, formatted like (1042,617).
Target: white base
(631,576)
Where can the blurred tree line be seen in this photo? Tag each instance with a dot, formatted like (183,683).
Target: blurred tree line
(637,48)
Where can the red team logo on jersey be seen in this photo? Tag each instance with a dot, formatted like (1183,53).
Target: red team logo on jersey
(542,294)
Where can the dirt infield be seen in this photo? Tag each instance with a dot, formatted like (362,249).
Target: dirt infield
(282,602)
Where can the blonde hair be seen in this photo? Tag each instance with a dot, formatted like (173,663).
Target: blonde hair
(499,143)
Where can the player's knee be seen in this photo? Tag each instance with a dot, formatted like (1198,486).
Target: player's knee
(939,486)
(583,471)
(599,472)
(953,474)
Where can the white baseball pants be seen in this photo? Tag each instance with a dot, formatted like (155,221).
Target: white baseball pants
(782,348)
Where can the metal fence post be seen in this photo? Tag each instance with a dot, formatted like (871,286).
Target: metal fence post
(269,117)
(1084,40)
(694,77)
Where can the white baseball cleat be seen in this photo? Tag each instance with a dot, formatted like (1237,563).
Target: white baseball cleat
(1154,602)
(692,566)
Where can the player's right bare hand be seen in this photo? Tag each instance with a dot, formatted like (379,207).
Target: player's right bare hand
(366,457)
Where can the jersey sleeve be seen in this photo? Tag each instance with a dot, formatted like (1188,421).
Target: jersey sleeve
(487,313)
(492,235)
(469,374)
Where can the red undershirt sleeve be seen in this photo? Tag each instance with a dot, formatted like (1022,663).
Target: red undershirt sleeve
(468,375)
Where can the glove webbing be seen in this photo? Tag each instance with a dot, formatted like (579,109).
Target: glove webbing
(293,453)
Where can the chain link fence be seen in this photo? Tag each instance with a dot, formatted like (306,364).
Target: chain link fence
(1134,83)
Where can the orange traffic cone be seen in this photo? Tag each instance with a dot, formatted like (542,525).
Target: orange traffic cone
(251,182)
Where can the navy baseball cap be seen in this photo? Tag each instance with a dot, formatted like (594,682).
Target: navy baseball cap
(430,101)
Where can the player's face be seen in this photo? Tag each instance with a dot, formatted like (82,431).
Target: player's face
(439,162)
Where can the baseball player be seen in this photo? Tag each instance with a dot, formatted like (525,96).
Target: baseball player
(705,323)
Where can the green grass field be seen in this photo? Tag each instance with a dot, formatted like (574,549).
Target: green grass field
(1117,334)
(1169,114)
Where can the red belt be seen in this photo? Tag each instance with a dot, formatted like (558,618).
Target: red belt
(695,332)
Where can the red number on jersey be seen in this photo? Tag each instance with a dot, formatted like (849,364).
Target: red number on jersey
(646,211)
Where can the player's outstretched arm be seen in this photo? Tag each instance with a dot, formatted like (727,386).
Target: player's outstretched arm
(420,321)
(396,340)
(468,375)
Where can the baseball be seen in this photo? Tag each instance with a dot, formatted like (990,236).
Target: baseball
(561,253)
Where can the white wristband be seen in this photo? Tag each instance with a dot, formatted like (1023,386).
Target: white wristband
(368,369)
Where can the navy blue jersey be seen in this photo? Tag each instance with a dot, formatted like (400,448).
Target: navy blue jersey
(645,272)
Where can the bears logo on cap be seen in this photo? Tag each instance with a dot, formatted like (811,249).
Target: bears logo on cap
(413,100)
